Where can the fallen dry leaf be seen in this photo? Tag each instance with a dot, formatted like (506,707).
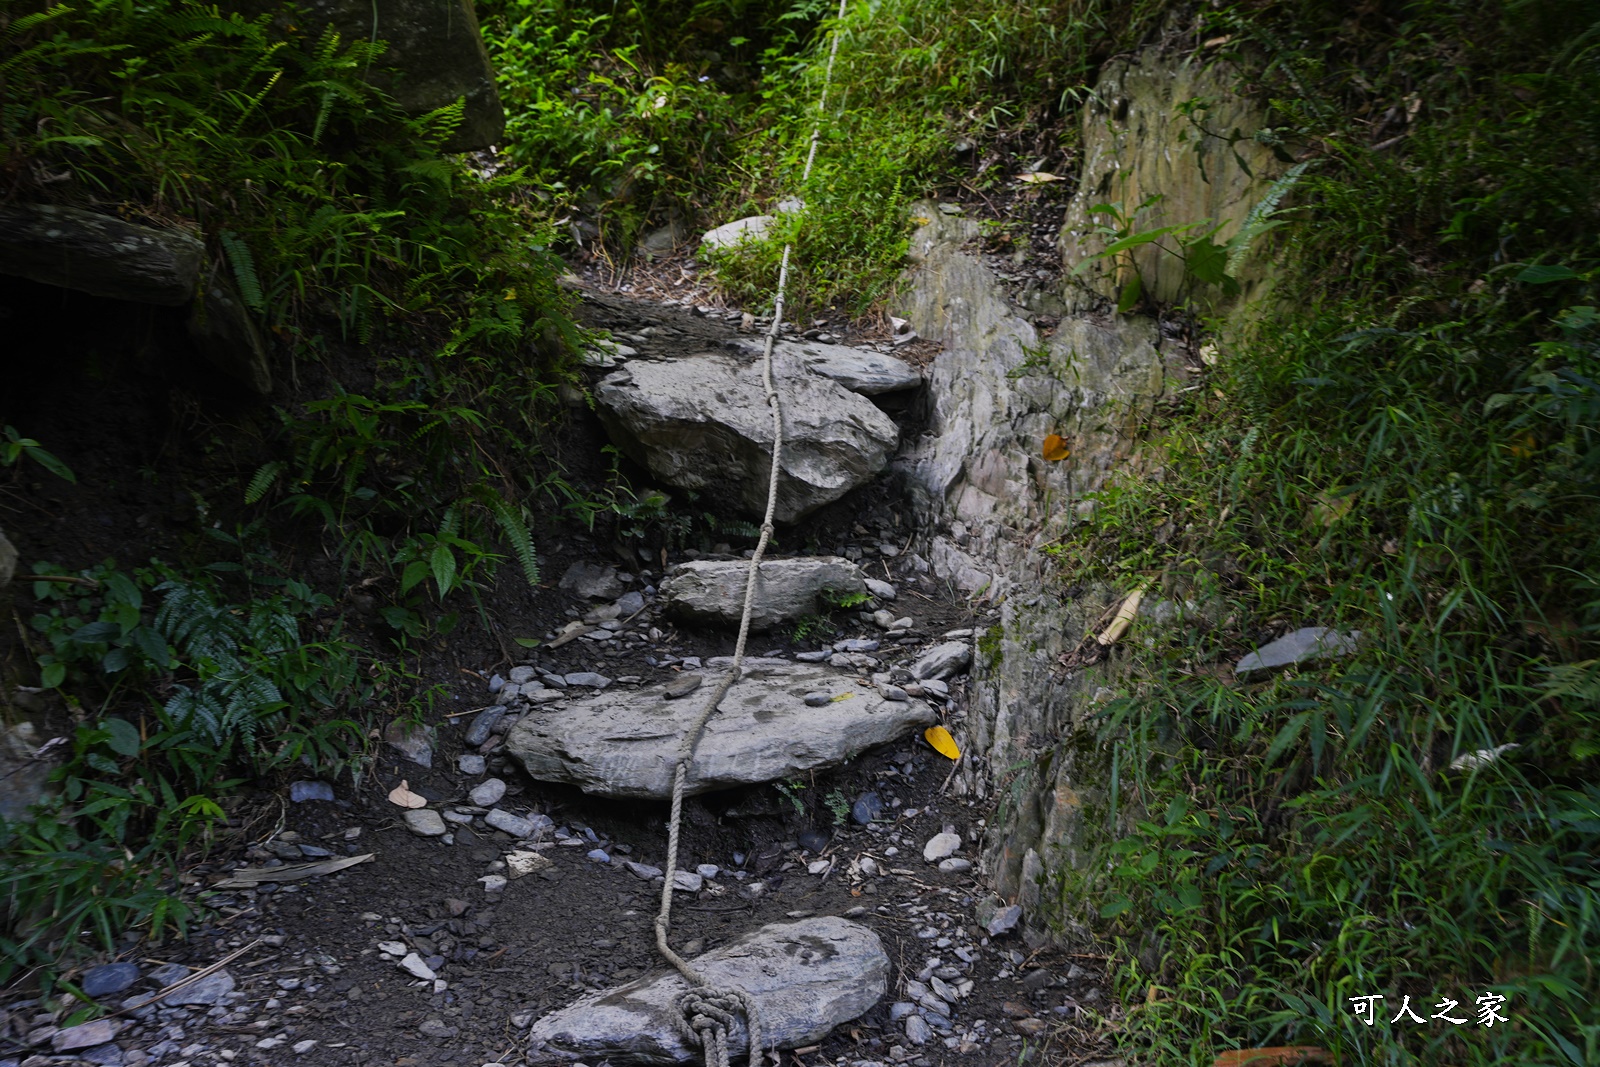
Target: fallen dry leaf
(942,742)
(1124,616)
(405,798)
(245,877)
(1055,448)
(1039,177)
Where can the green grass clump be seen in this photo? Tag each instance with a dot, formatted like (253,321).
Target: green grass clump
(1406,444)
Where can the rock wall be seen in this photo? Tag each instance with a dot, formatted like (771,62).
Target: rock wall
(991,503)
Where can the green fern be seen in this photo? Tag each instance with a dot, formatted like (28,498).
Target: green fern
(1260,219)
(244,271)
(263,480)
(521,540)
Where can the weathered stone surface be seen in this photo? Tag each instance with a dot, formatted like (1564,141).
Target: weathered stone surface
(1138,141)
(623,743)
(702,423)
(24,781)
(807,977)
(857,369)
(85,1035)
(1308,644)
(435,48)
(109,978)
(426,822)
(99,254)
(8,560)
(222,332)
(412,740)
(943,660)
(209,991)
(730,234)
(712,591)
(596,581)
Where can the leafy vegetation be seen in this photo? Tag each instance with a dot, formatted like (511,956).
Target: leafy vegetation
(1404,446)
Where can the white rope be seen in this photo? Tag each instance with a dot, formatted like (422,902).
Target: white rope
(707,1013)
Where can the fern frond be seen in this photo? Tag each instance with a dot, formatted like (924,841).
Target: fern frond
(517,534)
(244,271)
(262,480)
(1259,220)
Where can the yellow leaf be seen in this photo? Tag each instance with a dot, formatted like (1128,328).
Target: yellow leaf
(1055,448)
(1039,177)
(942,742)
(921,220)
(842,696)
(402,796)
(1124,616)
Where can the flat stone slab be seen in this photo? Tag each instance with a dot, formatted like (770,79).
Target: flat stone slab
(730,234)
(857,369)
(99,254)
(623,742)
(702,423)
(806,977)
(712,591)
(1302,646)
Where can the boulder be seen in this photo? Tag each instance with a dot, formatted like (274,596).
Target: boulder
(712,591)
(857,369)
(806,977)
(99,254)
(702,423)
(624,742)
(731,234)
(436,53)
(1307,644)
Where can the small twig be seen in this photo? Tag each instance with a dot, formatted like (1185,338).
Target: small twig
(69,579)
(204,972)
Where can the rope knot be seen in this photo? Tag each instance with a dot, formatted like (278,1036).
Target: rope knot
(707,1015)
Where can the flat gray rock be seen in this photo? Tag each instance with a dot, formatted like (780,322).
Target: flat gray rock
(730,234)
(623,742)
(1304,645)
(594,580)
(712,591)
(857,369)
(943,660)
(807,977)
(702,423)
(99,254)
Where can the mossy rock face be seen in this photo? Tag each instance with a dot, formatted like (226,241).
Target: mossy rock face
(435,49)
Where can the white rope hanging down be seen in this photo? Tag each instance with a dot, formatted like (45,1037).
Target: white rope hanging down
(707,1013)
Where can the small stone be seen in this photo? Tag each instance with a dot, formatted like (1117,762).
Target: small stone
(883,619)
(867,865)
(437,1029)
(900,1010)
(643,870)
(917,1031)
(487,793)
(818,700)
(109,979)
(813,657)
(905,622)
(483,725)
(413,965)
(868,806)
(300,792)
(687,881)
(412,740)
(599,855)
(943,660)
(522,675)
(523,863)
(303,1047)
(493,883)
(813,840)
(857,644)
(708,870)
(894,692)
(630,603)
(393,948)
(472,764)
(682,686)
(1004,920)
(939,846)
(881,589)
(85,1035)
(818,866)
(592,580)
(954,865)
(515,825)
(426,822)
(588,678)
(208,992)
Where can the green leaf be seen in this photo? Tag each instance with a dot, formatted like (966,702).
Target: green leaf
(415,571)
(123,736)
(443,563)
(528,642)
(1541,273)
(1207,261)
(1115,906)
(50,463)
(53,675)
(1129,297)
